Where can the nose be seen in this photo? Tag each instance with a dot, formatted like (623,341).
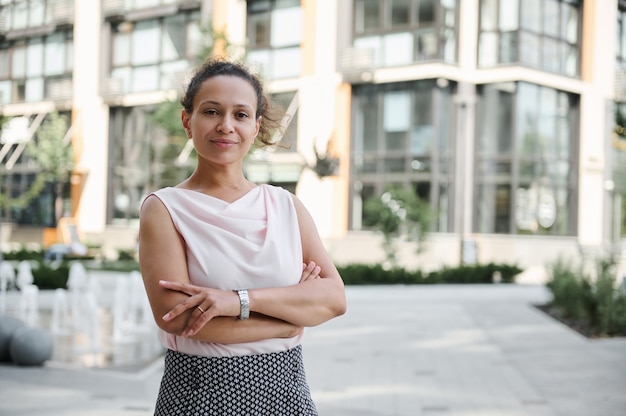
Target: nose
(225,125)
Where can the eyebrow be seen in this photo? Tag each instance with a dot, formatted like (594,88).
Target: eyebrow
(219,104)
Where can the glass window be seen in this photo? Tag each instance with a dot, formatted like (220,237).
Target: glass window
(368,127)
(121,49)
(398,132)
(37,15)
(286,63)
(259,29)
(373,43)
(69,55)
(173,44)
(34,58)
(170,74)
(449,46)
(142,4)
(367,15)
(274,34)
(509,16)
(552,56)
(34,89)
(398,49)
(405,31)
(488,15)
(123,76)
(397,106)
(55,55)
(508,47)
(426,12)
(286,27)
(145,43)
(145,78)
(570,23)
(539,33)
(4,63)
(5,92)
(551,18)
(18,67)
(531,190)
(400,12)
(531,15)
(426,44)
(488,49)
(529,49)
(194,39)
(19,18)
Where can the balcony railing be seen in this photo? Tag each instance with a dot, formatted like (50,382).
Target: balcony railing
(354,62)
(111,88)
(120,7)
(59,89)
(63,12)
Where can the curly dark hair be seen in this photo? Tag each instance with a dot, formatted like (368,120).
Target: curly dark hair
(270,112)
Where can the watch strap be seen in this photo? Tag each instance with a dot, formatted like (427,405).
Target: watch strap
(244,301)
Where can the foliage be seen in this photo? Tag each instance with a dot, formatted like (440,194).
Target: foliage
(51,275)
(54,158)
(593,304)
(23,253)
(363,274)
(398,213)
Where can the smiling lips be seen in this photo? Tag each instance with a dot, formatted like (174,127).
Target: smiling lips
(223,142)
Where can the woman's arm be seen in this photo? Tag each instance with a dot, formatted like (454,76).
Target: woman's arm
(310,302)
(162,258)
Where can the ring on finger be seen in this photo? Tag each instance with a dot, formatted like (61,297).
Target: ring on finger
(200,309)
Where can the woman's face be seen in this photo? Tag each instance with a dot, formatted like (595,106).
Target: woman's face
(223,124)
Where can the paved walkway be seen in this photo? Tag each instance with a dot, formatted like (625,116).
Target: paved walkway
(446,350)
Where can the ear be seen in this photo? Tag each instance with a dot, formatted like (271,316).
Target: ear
(185,117)
(258,125)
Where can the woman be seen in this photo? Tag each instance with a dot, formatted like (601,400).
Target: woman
(234,271)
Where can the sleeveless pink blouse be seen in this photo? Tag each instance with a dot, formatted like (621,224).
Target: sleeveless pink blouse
(253,242)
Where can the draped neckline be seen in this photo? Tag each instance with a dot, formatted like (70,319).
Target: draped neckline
(253,190)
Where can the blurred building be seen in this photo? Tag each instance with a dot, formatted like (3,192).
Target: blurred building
(507,117)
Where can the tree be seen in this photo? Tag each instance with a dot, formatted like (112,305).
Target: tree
(54,156)
(398,214)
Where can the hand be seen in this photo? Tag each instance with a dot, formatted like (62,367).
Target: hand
(203,302)
(310,271)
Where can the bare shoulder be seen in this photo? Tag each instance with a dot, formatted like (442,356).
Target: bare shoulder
(152,205)
(301,210)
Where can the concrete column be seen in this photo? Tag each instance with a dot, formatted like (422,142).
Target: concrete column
(89,118)
(598,74)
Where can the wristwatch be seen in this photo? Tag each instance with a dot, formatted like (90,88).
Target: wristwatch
(244,301)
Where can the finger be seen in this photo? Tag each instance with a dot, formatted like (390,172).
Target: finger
(201,318)
(311,272)
(181,308)
(185,288)
(306,271)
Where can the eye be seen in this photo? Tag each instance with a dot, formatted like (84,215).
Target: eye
(242,114)
(210,111)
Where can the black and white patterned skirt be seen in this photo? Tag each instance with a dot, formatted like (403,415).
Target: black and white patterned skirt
(272,384)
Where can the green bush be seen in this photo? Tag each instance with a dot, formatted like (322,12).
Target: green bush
(23,254)
(590,303)
(362,274)
(51,276)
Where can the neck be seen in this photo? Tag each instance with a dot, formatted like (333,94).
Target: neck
(206,179)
